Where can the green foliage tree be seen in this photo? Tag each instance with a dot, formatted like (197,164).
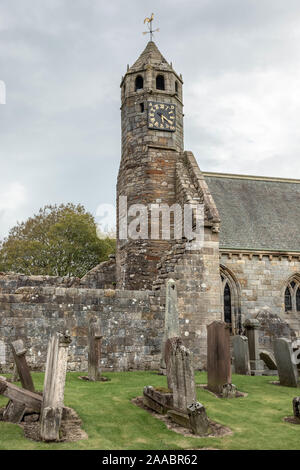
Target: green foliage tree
(60,240)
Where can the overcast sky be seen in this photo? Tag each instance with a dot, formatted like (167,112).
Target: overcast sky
(62,62)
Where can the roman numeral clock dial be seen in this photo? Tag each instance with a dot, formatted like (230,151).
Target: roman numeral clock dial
(161,116)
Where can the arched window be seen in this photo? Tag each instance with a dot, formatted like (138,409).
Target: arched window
(139,83)
(292,295)
(176,87)
(231,299)
(160,82)
(298,300)
(227,304)
(288,300)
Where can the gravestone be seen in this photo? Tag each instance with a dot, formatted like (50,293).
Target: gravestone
(19,352)
(180,373)
(269,361)
(94,352)
(241,355)
(251,326)
(186,410)
(20,401)
(171,328)
(54,385)
(296,408)
(218,357)
(198,419)
(287,371)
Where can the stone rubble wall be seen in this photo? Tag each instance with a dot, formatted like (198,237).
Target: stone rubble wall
(131,323)
(102,276)
(10,282)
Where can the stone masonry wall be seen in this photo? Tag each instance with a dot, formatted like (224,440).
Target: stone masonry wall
(263,279)
(131,323)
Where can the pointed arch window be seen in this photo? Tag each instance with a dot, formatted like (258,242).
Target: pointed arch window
(139,83)
(160,82)
(227,304)
(288,300)
(298,299)
(231,299)
(292,295)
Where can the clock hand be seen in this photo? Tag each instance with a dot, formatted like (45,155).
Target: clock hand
(163,117)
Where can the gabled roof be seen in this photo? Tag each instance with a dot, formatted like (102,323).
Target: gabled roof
(257,213)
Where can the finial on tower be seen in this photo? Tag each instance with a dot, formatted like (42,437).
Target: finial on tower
(151,31)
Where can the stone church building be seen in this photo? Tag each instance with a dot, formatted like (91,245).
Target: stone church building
(247,266)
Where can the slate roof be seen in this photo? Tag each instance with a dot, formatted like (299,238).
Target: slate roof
(257,213)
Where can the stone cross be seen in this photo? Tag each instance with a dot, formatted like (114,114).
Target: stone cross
(251,326)
(218,356)
(94,352)
(171,329)
(180,374)
(54,385)
(19,353)
(241,355)
(287,371)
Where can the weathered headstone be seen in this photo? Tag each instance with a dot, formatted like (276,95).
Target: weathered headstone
(180,374)
(186,410)
(287,371)
(20,400)
(94,352)
(54,385)
(218,357)
(269,360)
(296,408)
(241,355)
(198,419)
(19,352)
(251,326)
(171,329)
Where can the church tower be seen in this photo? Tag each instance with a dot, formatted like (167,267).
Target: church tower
(152,141)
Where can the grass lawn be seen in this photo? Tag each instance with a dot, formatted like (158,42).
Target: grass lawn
(113,422)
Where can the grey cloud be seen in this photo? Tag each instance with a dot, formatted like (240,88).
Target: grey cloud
(62,62)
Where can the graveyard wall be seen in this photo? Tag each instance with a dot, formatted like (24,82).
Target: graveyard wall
(10,282)
(131,322)
(262,280)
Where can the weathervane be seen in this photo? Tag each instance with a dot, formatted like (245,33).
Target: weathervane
(149,21)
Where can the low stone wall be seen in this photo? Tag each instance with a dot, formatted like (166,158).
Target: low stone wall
(131,322)
(10,282)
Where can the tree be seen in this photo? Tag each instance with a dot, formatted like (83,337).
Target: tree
(58,241)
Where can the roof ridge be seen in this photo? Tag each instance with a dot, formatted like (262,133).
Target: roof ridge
(251,177)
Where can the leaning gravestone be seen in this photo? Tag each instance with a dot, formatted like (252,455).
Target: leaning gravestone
(219,359)
(186,410)
(287,371)
(171,329)
(241,355)
(269,361)
(19,353)
(94,352)
(54,385)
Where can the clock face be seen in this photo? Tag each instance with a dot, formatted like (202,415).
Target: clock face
(161,116)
